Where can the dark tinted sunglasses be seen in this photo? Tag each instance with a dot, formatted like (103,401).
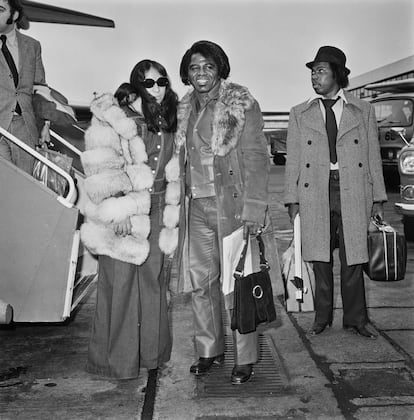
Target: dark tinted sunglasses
(161,82)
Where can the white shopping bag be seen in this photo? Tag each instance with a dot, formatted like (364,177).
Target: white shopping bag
(298,275)
(232,247)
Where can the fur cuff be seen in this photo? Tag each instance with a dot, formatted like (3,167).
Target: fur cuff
(115,210)
(102,241)
(142,201)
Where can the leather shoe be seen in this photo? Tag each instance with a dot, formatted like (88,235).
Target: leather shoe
(204,364)
(362,331)
(241,374)
(318,328)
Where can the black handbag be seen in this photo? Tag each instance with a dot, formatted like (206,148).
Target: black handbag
(387,253)
(253,295)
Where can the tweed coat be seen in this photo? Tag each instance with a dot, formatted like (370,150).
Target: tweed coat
(241,166)
(31,71)
(360,173)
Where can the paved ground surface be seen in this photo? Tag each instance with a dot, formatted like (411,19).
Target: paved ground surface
(336,375)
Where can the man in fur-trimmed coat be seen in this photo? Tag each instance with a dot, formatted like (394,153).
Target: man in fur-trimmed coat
(224,165)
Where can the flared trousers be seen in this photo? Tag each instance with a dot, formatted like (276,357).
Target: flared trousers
(204,260)
(131,326)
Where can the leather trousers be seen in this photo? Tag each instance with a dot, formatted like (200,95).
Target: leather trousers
(204,260)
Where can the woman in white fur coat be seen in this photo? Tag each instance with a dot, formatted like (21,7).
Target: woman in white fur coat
(131,221)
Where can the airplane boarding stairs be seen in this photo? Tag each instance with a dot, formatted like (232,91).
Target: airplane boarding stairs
(44,269)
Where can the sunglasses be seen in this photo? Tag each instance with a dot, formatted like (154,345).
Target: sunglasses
(161,82)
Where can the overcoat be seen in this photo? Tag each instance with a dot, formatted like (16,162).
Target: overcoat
(31,71)
(360,174)
(240,166)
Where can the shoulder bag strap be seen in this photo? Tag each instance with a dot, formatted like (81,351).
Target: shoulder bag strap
(264,265)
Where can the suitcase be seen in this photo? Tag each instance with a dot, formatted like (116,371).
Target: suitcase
(387,252)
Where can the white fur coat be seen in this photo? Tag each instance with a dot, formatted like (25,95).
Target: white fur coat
(117,187)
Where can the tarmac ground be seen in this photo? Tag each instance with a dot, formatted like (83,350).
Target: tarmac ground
(335,375)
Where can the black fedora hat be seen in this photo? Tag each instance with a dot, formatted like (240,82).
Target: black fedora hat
(330,55)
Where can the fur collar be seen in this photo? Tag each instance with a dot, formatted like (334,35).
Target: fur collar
(228,118)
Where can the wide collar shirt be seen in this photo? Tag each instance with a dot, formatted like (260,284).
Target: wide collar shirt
(199,173)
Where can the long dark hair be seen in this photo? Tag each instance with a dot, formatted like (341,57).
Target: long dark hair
(150,108)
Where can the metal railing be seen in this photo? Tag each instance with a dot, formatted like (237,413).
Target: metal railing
(71,193)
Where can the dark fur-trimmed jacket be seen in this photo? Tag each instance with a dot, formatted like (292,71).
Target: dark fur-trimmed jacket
(241,162)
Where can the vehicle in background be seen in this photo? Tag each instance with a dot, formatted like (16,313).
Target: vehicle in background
(394,106)
(406,205)
(275,130)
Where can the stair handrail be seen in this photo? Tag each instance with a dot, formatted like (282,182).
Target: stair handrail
(65,142)
(72,194)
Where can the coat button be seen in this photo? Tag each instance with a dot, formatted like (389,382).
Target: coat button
(309,142)
(306,185)
(360,164)
(308,165)
(356,141)
(230,172)
(235,195)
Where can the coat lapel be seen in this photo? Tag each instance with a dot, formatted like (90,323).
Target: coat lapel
(313,119)
(348,121)
(23,50)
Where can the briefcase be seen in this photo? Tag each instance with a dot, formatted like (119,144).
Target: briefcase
(387,252)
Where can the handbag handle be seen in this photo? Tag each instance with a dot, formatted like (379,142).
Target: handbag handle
(264,265)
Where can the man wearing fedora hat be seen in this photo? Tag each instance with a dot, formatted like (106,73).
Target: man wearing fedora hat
(334,180)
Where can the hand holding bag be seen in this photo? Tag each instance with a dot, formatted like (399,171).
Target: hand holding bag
(387,252)
(253,294)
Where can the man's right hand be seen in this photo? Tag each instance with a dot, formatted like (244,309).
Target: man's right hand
(293,210)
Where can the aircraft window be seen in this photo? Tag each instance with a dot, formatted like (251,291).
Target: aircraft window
(394,112)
